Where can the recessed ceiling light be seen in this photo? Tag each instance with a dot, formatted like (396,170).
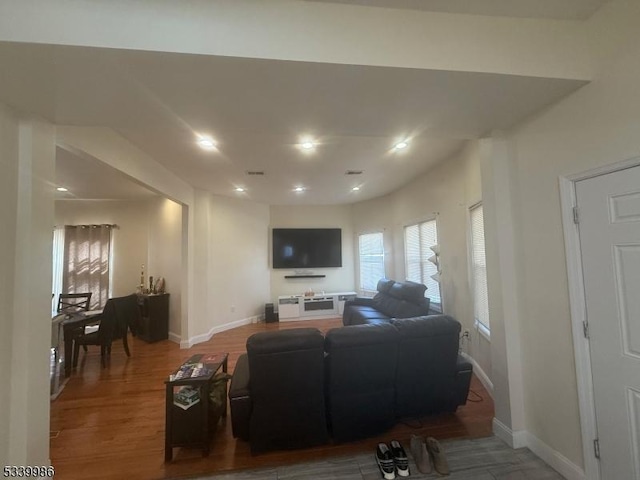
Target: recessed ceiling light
(239,189)
(62,189)
(298,189)
(206,143)
(307,145)
(401,145)
(355,189)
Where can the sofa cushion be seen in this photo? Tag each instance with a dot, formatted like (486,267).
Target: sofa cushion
(427,326)
(287,389)
(281,341)
(361,374)
(409,291)
(359,315)
(384,285)
(427,350)
(360,335)
(406,309)
(386,304)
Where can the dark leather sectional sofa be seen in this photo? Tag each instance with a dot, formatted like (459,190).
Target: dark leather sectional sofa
(393,300)
(297,388)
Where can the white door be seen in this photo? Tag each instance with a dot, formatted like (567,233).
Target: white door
(609,226)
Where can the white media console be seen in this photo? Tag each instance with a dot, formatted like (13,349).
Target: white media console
(303,307)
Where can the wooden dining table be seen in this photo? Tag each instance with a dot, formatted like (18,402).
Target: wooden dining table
(72,326)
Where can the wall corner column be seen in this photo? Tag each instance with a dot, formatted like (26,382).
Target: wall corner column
(499,200)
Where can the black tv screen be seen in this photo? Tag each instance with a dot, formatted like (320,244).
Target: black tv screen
(307,247)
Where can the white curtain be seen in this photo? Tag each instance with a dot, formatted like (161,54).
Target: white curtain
(58,263)
(87,252)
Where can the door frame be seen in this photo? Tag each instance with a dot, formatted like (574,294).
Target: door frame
(577,303)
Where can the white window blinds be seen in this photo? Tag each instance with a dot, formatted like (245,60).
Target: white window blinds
(371,253)
(418,240)
(479,267)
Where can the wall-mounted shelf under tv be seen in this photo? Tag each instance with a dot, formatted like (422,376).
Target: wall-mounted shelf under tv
(304,276)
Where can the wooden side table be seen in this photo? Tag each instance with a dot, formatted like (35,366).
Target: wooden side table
(190,427)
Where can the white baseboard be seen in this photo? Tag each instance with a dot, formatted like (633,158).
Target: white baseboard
(554,459)
(174,337)
(205,337)
(480,373)
(507,435)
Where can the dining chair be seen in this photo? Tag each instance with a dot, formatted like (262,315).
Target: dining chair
(120,315)
(128,317)
(103,337)
(74,302)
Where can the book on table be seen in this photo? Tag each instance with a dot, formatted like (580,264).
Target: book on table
(196,366)
(186,397)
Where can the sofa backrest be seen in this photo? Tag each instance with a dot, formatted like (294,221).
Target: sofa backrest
(426,368)
(361,379)
(401,299)
(361,358)
(287,389)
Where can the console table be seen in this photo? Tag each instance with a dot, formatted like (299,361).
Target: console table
(303,307)
(154,317)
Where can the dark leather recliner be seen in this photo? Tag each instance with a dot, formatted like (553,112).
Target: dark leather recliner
(284,377)
(360,380)
(427,375)
(393,300)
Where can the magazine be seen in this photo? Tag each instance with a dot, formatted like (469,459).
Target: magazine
(186,397)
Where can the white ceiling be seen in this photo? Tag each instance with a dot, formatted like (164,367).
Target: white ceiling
(258,109)
(94,180)
(558,9)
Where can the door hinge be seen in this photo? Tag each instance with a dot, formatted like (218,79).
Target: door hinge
(576,215)
(585,329)
(596,448)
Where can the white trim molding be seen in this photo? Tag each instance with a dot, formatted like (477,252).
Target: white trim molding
(480,373)
(205,337)
(504,433)
(175,338)
(577,304)
(551,457)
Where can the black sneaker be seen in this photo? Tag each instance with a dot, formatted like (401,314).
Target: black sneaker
(384,458)
(400,459)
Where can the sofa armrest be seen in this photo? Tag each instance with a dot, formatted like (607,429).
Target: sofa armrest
(240,398)
(464,370)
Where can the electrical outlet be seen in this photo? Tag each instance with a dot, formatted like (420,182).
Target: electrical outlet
(233,308)
(465,333)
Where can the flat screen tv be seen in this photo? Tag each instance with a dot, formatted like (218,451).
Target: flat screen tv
(307,247)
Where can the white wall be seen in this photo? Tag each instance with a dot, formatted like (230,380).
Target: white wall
(129,239)
(337,279)
(164,240)
(149,233)
(597,125)
(27,156)
(445,192)
(238,273)
(107,146)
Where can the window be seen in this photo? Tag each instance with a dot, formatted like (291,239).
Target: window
(479,269)
(418,240)
(86,263)
(58,266)
(371,253)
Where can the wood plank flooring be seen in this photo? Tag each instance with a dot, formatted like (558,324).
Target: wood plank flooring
(109,423)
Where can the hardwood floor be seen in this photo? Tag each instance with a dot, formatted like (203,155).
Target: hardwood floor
(109,423)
